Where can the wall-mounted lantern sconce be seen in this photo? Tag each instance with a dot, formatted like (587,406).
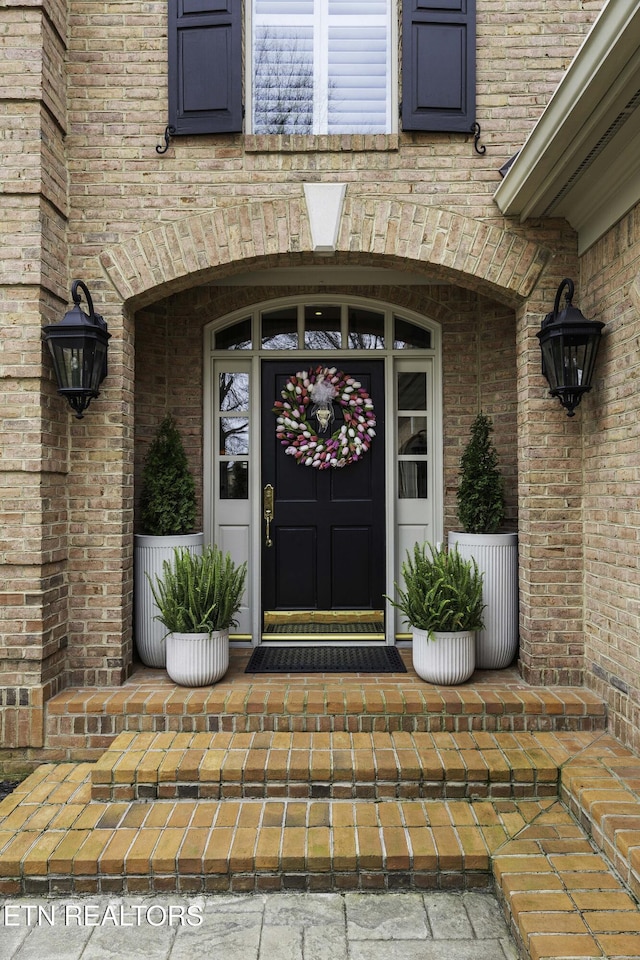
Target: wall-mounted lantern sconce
(569,344)
(78,345)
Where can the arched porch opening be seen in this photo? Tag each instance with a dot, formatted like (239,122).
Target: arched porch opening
(487,288)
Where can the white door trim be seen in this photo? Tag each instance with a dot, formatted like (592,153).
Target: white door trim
(223,521)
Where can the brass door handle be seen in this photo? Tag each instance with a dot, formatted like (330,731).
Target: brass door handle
(267,504)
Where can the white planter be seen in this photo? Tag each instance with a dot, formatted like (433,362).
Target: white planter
(149,555)
(497,557)
(197,659)
(448,658)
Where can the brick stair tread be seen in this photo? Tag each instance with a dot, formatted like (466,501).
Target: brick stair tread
(337,765)
(54,838)
(81,723)
(253,838)
(550,861)
(560,895)
(327,699)
(601,788)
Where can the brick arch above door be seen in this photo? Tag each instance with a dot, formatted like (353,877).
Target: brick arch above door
(461,250)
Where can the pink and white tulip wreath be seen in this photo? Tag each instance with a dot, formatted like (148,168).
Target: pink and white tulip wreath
(299,436)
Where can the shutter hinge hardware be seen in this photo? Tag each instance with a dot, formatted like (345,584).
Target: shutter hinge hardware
(476,131)
(169,132)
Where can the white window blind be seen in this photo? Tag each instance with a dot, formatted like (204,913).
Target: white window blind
(288,8)
(321,66)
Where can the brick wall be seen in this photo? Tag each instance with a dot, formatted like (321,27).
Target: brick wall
(34,441)
(611,413)
(86,195)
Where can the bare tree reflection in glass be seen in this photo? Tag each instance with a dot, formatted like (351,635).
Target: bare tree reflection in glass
(234,391)
(283,80)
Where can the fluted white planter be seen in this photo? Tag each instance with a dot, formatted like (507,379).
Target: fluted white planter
(497,557)
(447,658)
(197,659)
(149,555)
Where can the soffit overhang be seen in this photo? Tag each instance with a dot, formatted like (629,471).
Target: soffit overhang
(582,158)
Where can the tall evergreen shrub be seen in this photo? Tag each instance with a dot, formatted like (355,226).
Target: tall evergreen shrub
(168,498)
(481,488)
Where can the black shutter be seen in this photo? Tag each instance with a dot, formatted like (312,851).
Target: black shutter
(205,66)
(438,65)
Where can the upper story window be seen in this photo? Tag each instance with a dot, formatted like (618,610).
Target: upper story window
(321,66)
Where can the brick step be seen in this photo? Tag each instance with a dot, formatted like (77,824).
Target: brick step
(601,788)
(374,766)
(555,877)
(81,723)
(561,897)
(54,839)
(551,866)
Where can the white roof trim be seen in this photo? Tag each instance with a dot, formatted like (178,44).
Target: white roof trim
(587,117)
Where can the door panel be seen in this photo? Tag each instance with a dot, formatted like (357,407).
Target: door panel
(328,529)
(349,591)
(300,573)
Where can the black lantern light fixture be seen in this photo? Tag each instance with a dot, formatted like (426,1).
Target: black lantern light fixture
(78,345)
(569,344)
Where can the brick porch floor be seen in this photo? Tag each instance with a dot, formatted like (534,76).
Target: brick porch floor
(339,783)
(81,723)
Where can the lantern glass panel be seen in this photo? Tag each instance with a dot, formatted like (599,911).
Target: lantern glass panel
(590,353)
(68,361)
(552,353)
(569,359)
(97,368)
(578,353)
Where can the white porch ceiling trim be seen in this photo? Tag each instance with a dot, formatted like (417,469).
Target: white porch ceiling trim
(582,158)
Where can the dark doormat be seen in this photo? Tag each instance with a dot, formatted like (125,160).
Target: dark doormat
(325,659)
(297,627)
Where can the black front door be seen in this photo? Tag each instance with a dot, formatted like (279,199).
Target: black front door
(327,549)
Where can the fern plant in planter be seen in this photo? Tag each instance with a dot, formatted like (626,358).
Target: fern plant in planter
(481,512)
(198,597)
(442,602)
(167,518)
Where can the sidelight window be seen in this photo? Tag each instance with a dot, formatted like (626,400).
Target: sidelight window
(233,434)
(412,434)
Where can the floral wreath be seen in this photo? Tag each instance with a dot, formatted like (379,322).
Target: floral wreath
(319,388)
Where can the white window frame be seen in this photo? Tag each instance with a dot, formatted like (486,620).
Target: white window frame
(320,40)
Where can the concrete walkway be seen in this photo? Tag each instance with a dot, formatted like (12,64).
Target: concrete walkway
(279,926)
